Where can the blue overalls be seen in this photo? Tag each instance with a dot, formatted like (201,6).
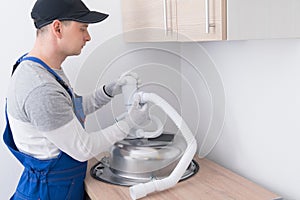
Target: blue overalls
(53,179)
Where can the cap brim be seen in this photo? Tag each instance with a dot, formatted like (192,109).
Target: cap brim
(92,17)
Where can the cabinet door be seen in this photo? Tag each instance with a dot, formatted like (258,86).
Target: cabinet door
(263,19)
(149,20)
(201,20)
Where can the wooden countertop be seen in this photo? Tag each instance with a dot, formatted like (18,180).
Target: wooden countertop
(212,182)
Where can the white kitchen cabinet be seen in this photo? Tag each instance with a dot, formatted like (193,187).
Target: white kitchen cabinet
(207,20)
(201,20)
(154,20)
(174,20)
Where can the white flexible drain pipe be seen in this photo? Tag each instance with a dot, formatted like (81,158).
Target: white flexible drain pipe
(141,190)
(129,90)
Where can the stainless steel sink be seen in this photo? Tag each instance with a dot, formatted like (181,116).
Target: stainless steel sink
(133,161)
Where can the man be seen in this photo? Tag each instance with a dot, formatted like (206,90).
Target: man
(45,119)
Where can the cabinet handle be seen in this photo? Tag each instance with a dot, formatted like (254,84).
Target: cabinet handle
(207,16)
(165,17)
(207,24)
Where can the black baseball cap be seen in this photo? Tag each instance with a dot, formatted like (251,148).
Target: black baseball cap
(45,12)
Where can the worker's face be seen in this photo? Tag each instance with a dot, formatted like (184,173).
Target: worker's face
(74,37)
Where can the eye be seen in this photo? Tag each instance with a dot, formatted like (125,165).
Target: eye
(83,28)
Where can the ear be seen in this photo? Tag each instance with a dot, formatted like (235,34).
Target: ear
(56,27)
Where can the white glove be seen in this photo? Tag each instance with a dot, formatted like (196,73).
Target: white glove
(115,87)
(138,114)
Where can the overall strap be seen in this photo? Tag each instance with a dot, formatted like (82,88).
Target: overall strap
(77,100)
(17,63)
(37,60)
(57,77)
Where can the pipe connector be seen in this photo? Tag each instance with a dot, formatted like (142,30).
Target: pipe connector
(138,191)
(128,90)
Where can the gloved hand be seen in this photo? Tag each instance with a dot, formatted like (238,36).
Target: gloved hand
(138,114)
(115,87)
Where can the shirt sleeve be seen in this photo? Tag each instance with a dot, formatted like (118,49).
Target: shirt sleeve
(48,107)
(82,146)
(94,101)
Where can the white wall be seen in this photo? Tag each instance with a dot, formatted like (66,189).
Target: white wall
(260,79)
(260,138)
(17,36)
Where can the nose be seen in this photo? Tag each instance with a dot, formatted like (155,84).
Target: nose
(87,37)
